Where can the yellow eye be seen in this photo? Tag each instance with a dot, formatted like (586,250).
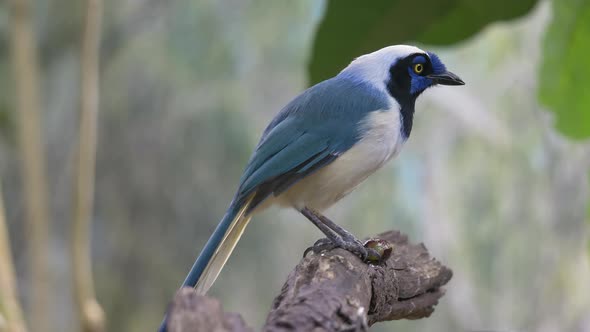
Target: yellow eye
(418,68)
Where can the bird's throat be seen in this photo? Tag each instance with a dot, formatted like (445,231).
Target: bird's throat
(407,117)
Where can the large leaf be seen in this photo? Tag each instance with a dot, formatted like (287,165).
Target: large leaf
(565,73)
(351,28)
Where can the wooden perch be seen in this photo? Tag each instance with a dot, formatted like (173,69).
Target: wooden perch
(333,291)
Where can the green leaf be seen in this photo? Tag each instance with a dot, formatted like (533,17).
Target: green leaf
(351,28)
(565,73)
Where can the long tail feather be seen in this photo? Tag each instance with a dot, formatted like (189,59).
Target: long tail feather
(223,250)
(217,250)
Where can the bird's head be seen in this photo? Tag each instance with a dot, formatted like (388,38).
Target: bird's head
(401,70)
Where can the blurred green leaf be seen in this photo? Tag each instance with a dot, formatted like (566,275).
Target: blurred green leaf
(351,28)
(564,72)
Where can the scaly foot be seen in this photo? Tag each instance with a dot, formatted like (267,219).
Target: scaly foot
(352,245)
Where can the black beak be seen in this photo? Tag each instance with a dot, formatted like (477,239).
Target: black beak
(446,78)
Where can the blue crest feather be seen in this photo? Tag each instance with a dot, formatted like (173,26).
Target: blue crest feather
(437,66)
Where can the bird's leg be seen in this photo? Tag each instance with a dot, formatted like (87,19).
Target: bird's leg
(338,236)
(347,236)
(327,243)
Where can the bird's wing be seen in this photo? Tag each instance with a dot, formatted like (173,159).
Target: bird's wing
(308,134)
(278,170)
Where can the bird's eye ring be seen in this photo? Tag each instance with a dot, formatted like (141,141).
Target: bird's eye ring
(418,68)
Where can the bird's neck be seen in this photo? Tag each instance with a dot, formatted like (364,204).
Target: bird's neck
(407,117)
(407,104)
(400,91)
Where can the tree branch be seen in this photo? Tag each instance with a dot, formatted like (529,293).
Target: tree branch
(191,313)
(26,77)
(90,313)
(336,291)
(10,310)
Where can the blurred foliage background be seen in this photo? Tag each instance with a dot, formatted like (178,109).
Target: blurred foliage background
(494,179)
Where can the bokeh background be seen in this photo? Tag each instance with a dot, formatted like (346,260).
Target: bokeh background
(494,179)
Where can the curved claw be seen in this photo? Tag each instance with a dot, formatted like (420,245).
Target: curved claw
(307,250)
(320,245)
(323,242)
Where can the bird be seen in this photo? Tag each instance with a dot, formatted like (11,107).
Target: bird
(322,145)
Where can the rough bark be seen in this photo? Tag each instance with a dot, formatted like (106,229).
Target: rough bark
(191,312)
(335,291)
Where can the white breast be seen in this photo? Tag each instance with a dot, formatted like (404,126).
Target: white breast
(381,142)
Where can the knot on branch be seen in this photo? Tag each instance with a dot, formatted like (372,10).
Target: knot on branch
(335,291)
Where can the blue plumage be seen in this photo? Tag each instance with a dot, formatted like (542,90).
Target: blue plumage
(419,83)
(213,242)
(322,120)
(325,142)
(438,68)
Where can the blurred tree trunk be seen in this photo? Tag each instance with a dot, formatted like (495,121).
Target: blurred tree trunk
(10,310)
(24,56)
(90,313)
